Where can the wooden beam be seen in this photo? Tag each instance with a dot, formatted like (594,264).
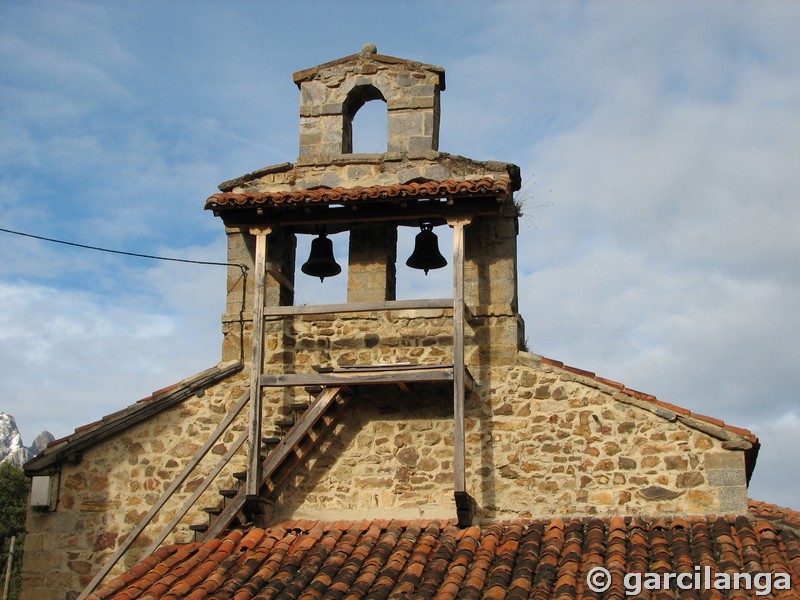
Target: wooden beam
(318,309)
(459,435)
(254,443)
(187,506)
(388,376)
(279,277)
(9,564)
(339,218)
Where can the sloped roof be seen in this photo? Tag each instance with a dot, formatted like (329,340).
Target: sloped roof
(781,516)
(324,195)
(432,559)
(666,406)
(88,435)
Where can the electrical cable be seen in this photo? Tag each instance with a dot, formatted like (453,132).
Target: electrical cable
(242,268)
(136,254)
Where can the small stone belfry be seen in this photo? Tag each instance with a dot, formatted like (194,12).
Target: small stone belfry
(373,340)
(331,95)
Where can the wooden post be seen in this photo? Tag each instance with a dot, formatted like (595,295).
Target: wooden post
(254,458)
(459,436)
(9,564)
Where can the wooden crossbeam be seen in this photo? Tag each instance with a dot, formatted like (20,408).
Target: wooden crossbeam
(339,378)
(319,309)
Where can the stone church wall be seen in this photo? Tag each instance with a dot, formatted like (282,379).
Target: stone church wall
(540,442)
(100,500)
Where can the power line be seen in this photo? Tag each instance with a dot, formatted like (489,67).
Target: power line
(136,254)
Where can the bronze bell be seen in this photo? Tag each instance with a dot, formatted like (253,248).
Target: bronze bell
(426,255)
(320,261)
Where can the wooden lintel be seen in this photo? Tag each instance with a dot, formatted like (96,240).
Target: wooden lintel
(308,217)
(318,309)
(388,376)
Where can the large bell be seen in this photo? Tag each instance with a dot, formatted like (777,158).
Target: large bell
(426,255)
(320,261)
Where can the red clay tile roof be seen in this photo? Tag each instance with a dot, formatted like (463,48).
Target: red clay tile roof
(431,559)
(323,195)
(774,513)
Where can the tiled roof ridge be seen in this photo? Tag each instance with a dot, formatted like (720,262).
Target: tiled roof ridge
(668,410)
(447,187)
(430,558)
(87,435)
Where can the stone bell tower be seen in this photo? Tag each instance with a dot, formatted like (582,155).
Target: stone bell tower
(371,343)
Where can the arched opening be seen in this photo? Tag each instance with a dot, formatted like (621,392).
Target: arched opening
(371,135)
(310,290)
(413,284)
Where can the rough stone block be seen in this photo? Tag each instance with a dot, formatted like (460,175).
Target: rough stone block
(724,459)
(726,477)
(733,499)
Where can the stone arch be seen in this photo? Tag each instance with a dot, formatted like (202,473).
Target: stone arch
(357,97)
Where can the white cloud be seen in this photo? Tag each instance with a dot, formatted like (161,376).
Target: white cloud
(81,355)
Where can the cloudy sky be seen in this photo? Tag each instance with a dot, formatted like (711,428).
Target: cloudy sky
(658,142)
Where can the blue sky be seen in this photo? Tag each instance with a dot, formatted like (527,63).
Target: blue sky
(658,143)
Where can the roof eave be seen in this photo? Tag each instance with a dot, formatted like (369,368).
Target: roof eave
(87,436)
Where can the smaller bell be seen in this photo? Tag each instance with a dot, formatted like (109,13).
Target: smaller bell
(426,255)
(320,261)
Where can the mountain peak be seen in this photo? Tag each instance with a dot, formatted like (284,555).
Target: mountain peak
(11,447)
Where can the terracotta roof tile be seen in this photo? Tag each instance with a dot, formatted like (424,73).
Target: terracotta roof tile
(339,195)
(772,513)
(431,559)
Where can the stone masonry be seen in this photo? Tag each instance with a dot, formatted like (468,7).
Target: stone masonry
(542,439)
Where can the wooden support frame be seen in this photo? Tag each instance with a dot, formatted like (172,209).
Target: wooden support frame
(320,309)
(463,502)
(279,277)
(366,377)
(457,373)
(253,482)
